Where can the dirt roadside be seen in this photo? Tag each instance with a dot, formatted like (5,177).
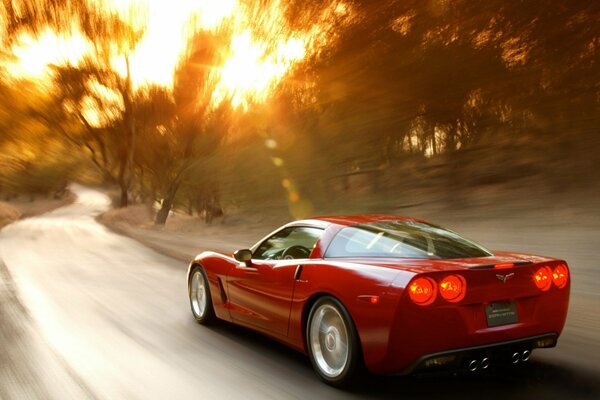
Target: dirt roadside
(20,208)
(183,237)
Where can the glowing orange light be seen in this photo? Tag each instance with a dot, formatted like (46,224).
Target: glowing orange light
(453,288)
(422,291)
(543,278)
(369,298)
(504,266)
(560,276)
(257,46)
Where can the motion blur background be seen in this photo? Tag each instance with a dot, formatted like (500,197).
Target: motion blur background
(225,107)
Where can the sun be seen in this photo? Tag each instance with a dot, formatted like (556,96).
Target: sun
(250,72)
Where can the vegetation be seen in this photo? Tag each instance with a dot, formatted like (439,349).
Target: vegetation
(383,97)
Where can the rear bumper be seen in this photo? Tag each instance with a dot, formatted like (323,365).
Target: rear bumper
(494,354)
(418,332)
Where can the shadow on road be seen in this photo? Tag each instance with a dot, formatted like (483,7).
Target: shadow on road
(534,380)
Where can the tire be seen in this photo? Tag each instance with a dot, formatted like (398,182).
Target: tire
(332,342)
(200,297)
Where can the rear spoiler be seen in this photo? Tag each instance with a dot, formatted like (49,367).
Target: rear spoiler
(502,265)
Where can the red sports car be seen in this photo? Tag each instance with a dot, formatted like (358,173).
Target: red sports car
(393,294)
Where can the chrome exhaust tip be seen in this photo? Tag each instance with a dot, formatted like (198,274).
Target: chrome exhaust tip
(516,357)
(485,363)
(473,365)
(525,355)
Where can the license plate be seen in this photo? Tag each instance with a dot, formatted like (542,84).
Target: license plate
(501,313)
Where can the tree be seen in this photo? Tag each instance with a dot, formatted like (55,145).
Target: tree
(112,37)
(198,126)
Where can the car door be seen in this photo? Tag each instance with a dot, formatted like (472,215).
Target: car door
(261,291)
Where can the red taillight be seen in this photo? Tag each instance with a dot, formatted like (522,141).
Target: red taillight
(543,278)
(560,276)
(422,291)
(453,288)
(504,266)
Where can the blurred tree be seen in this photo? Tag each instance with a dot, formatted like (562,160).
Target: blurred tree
(195,136)
(180,129)
(101,100)
(459,71)
(79,84)
(33,157)
(430,81)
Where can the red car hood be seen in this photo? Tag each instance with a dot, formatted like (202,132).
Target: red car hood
(432,265)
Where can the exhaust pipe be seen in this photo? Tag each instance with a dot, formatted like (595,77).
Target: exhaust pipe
(516,357)
(473,365)
(525,355)
(485,363)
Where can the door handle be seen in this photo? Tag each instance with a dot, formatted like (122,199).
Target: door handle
(298,272)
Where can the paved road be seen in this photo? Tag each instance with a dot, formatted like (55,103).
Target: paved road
(86,313)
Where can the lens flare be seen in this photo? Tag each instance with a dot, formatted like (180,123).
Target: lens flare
(167,29)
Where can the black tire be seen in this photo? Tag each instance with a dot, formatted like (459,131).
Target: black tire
(331,323)
(200,297)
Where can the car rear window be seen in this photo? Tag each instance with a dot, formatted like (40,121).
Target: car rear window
(402,239)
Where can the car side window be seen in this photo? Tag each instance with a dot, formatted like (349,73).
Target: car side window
(291,243)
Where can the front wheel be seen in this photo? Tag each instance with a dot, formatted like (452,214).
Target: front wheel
(332,342)
(200,298)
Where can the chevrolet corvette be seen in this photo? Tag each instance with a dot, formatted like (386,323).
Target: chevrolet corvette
(391,294)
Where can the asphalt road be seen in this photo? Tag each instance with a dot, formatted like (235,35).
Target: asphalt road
(86,313)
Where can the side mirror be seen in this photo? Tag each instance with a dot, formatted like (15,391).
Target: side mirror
(243,255)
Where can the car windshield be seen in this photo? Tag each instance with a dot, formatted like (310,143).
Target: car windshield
(402,239)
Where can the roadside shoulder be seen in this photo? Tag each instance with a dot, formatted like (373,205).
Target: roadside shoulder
(179,242)
(13,211)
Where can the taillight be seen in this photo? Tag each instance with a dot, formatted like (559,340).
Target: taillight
(560,276)
(422,291)
(543,278)
(453,288)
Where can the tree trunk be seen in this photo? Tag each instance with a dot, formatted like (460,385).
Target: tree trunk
(167,204)
(124,202)
(126,168)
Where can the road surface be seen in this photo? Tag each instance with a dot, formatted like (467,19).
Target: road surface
(86,313)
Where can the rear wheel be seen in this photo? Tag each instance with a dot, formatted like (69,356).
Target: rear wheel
(200,298)
(332,342)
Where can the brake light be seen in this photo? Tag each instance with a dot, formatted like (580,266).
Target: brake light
(543,278)
(504,266)
(560,276)
(422,291)
(453,288)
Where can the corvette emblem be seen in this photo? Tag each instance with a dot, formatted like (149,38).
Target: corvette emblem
(506,277)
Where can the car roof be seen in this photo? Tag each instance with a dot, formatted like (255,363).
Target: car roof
(347,220)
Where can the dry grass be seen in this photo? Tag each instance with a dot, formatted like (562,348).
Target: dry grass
(24,207)
(8,214)
(138,215)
